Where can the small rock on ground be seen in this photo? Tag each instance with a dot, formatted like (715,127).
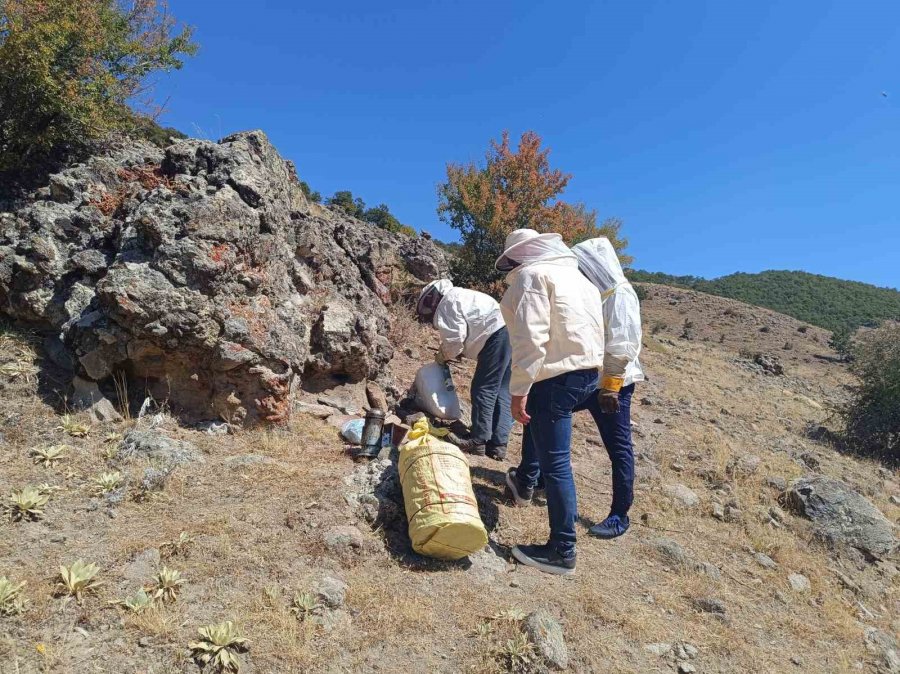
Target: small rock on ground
(765,561)
(710,605)
(682,495)
(331,591)
(545,632)
(799,582)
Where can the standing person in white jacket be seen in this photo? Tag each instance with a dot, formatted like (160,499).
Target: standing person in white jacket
(470,325)
(555,321)
(598,261)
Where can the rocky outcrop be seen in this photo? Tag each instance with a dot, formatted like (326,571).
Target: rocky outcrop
(841,515)
(203,274)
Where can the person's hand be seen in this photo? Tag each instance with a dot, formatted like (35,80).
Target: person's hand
(609,401)
(518,409)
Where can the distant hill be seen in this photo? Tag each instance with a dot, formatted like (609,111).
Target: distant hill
(828,302)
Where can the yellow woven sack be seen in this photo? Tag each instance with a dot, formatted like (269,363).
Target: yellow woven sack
(437,492)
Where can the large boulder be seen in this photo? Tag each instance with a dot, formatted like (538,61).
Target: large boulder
(204,275)
(842,515)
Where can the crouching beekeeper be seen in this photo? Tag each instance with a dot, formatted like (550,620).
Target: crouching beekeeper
(597,260)
(470,325)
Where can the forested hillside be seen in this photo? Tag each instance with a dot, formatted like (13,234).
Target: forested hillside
(828,302)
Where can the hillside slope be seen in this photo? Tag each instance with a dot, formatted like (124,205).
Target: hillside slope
(831,303)
(706,586)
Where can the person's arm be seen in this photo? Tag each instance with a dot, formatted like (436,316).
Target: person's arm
(622,317)
(529,332)
(450,322)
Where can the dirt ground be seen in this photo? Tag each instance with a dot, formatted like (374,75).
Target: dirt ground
(264,516)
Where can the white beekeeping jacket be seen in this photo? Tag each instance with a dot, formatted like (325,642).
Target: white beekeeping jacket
(465,319)
(598,261)
(554,314)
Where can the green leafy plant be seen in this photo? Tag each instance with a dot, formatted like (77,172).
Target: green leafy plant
(139,602)
(73,427)
(77,579)
(47,456)
(219,646)
(168,583)
(517,654)
(106,483)
(179,547)
(304,605)
(510,615)
(47,488)
(27,503)
(11,600)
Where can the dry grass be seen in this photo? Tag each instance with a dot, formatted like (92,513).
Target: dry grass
(255,533)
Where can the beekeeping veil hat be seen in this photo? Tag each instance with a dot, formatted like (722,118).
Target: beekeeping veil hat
(527,245)
(598,261)
(431,296)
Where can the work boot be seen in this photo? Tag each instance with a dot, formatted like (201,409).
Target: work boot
(545,558)
(497,452)
(476,448)
(521,495)
(612,527)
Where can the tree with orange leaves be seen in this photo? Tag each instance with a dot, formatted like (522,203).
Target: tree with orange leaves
(514,189)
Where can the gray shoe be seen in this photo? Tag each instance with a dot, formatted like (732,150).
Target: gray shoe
(521,495)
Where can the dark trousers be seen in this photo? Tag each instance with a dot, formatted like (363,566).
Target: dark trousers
(491,416)
(615,430)
(546,448)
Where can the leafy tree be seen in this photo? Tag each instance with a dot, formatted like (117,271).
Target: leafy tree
(344,200)
(380,215)
(511,190)
(873,417)
(310,193)
(70,68)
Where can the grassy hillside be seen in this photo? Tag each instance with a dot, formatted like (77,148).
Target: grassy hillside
(828,302)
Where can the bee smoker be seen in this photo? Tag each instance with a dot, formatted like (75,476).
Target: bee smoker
(370,445)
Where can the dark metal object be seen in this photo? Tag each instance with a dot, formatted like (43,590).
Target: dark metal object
(370,444)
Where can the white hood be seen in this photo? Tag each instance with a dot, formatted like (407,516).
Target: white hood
(598,261)
(525,246)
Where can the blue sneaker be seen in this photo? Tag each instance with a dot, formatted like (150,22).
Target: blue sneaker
(612,527)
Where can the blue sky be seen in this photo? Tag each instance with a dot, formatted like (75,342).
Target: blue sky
(727,136)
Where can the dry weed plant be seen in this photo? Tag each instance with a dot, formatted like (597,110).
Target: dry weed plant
(218,647)
(27,504)
(48,456)
(78,579)
(71,426)
(11,600)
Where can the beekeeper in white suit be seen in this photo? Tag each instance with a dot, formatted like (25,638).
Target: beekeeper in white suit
(598,261)
(470,325)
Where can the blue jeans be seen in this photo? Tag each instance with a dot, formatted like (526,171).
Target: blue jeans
(615,430)
(491,416)
(546,448)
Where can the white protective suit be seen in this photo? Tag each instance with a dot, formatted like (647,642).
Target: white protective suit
(465,319)
(554,314)
(598,261)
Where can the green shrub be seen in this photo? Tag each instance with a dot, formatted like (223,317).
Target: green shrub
(873,417)
(70,68)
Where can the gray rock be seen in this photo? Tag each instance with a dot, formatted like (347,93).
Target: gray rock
(682,495)
(344,540)
(87,396)
(842,515)
(883,646)
(659,649)
(150,444)
(486,563)
(799,582)
(686,668)
(677,556)
(776,482)
(545,632)
(765,561)
(331,591)
(204,273)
